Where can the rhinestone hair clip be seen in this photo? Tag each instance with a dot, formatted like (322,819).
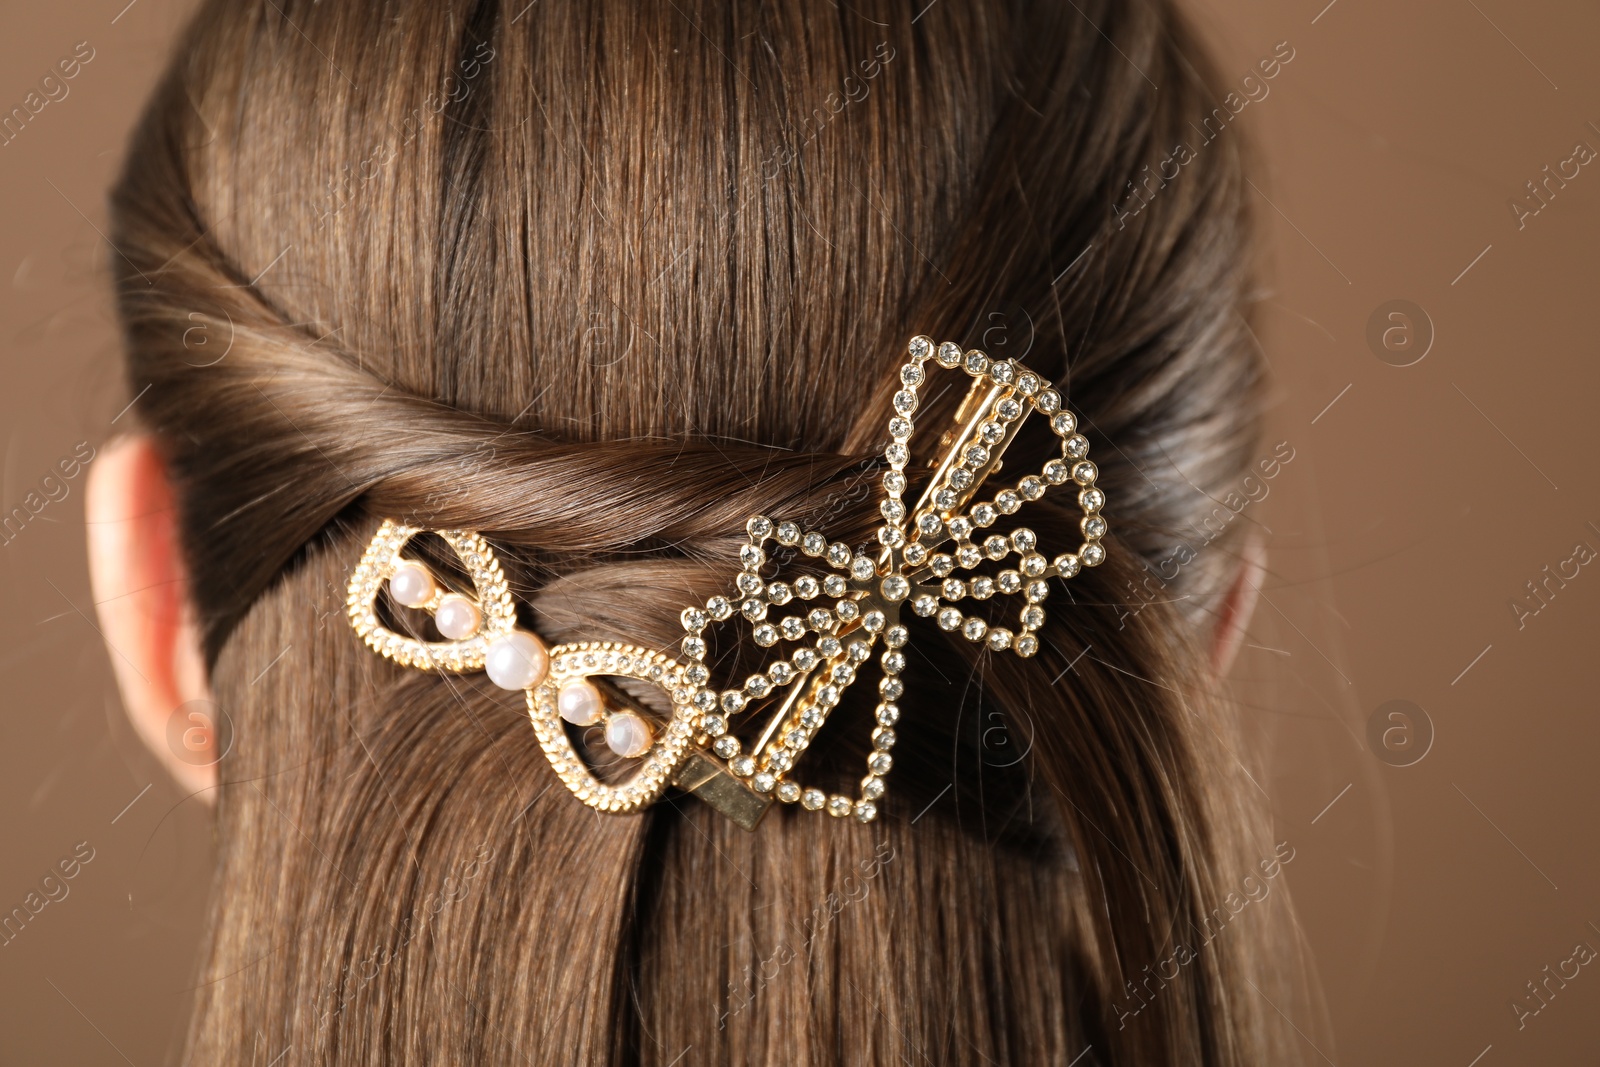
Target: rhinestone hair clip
(925,559)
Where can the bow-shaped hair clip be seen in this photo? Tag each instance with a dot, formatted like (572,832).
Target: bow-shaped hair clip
(926,560)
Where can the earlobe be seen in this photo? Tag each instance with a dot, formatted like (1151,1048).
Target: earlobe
(141,596)
(1240,602)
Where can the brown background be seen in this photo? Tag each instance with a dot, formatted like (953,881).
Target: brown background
(1415,509)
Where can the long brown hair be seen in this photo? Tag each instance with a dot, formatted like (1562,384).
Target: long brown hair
(600,279)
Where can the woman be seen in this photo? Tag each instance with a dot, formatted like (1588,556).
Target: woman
(600,282)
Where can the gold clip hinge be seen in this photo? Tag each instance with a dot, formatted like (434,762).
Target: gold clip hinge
(706,777)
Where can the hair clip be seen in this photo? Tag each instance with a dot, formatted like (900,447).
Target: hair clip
(838,623)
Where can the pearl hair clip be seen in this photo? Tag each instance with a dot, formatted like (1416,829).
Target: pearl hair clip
(696,748)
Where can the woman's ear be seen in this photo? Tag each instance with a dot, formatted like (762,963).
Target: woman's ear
(141,595)
(1240,602)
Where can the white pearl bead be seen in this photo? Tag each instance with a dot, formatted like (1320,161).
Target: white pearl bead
(412,585)
(628,735)
(457,618)
(516,660)
(579,703)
